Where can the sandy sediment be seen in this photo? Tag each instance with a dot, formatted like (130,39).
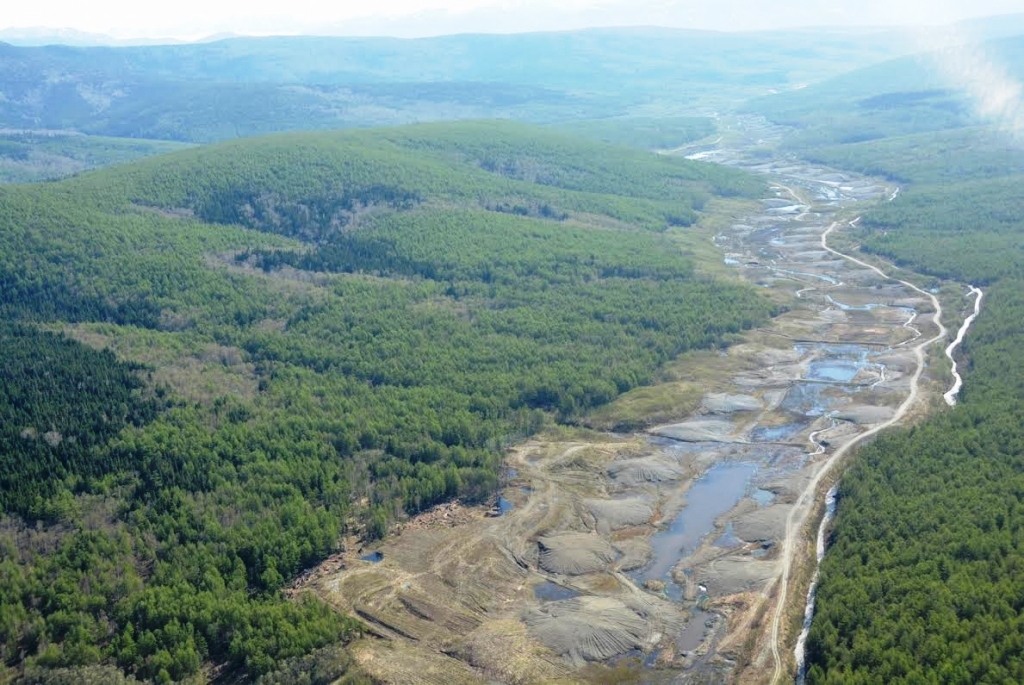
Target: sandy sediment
(653,469)
(614,514)
(724,403)
(575,553)
(587,628)
(506,651)
(696,430)
(733,574)
(762,524)
(411,663)
(865,414)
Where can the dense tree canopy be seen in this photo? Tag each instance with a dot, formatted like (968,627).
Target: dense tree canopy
(306,336)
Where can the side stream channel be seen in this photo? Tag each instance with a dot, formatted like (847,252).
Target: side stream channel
(958,382)
(800,651)
(812,591)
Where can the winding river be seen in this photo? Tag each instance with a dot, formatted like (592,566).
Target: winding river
(958,382)
(801,641)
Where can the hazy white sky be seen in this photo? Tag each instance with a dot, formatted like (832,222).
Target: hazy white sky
(196,18)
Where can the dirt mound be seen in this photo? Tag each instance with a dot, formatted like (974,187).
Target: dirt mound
(618,513)
(635,551)
(866,414)
(696,430)
(643,470)
(448,515)
(773,356)
(722,403)
(762,524)
(736,574)
(587,628)
(506,652)
(393,661)
(575,553)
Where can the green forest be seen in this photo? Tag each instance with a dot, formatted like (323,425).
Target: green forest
(958,212)
(222,360)
(27,157)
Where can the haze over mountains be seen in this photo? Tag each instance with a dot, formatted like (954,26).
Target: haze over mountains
(246,86)
(192,20)
(203,92)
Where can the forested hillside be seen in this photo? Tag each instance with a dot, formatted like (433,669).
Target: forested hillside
(65,109)
(26,157)
(254,349)
(903,96)
(958,212)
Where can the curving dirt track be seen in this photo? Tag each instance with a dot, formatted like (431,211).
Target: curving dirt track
(797,518)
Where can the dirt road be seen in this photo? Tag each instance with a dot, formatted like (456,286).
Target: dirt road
(797,518)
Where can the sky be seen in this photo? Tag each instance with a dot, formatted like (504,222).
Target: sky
(194,19)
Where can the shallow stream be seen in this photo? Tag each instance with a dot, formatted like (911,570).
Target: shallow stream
(710,496)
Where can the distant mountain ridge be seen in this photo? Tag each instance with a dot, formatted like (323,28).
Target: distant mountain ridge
(247,86)
(37,36)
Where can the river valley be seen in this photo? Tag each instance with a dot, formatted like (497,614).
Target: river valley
(683,552)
